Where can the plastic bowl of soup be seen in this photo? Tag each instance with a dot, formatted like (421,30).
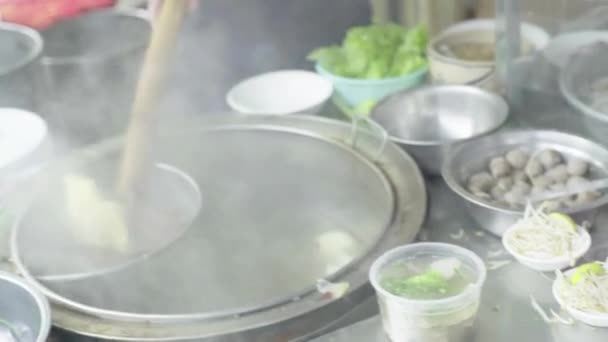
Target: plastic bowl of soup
(428,292)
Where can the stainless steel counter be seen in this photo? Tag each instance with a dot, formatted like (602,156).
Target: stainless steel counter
(506,313)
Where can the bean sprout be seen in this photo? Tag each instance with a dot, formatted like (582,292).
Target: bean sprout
(588,295)
(555,318)
(541,236)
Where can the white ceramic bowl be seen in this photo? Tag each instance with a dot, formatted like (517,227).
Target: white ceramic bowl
(21,134)
(594,319)
(451,70)
(552,264)
(280,92)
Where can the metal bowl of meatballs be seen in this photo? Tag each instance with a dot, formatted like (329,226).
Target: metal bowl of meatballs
(495,175)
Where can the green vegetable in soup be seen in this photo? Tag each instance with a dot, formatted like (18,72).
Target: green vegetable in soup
(426,278)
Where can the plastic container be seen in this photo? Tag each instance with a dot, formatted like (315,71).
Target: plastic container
(356,92)
(449,319)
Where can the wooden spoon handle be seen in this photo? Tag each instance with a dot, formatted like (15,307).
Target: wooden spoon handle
(153,72)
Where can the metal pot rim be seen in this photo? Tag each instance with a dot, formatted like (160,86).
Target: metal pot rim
(35,49)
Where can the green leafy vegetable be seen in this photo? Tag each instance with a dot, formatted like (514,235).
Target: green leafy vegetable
(375,52)
(422,286)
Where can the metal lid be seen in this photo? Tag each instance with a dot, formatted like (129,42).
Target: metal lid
(282,208)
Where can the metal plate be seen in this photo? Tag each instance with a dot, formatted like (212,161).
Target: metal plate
(286,202)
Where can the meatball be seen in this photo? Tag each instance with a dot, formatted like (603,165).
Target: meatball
(558,174)
(504,183)
(515,198)
(537,190)
(542,181)
(517,158)
(521,187)
(519,175)
(499,167)
(534,168)
(480,182)
(549,158)
(577,167)
(577,182)
(498,193)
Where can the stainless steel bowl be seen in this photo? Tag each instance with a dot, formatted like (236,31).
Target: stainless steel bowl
(23,310)
(474,156)
(430,121)
(577,79)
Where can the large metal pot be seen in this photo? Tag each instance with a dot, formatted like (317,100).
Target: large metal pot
(20,48)
(290,205)
(88,72)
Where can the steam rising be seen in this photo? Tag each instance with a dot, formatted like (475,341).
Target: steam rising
(250,242)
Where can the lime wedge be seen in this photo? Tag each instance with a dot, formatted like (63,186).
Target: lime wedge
(563,220)
(583,271)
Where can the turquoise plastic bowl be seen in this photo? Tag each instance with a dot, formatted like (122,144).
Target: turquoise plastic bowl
(356,91)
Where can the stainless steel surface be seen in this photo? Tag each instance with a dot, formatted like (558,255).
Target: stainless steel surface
(23,308)
(430,121)
(88,71)
(311,184)
(506,313)
(165,206)
(474,156)
(20,49)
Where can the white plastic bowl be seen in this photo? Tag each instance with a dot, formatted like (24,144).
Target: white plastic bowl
(280,92)
(594,319)
(547,265)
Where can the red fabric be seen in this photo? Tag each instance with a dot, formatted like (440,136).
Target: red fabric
(41,14)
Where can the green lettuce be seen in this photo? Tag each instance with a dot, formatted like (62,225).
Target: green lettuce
(375,52)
